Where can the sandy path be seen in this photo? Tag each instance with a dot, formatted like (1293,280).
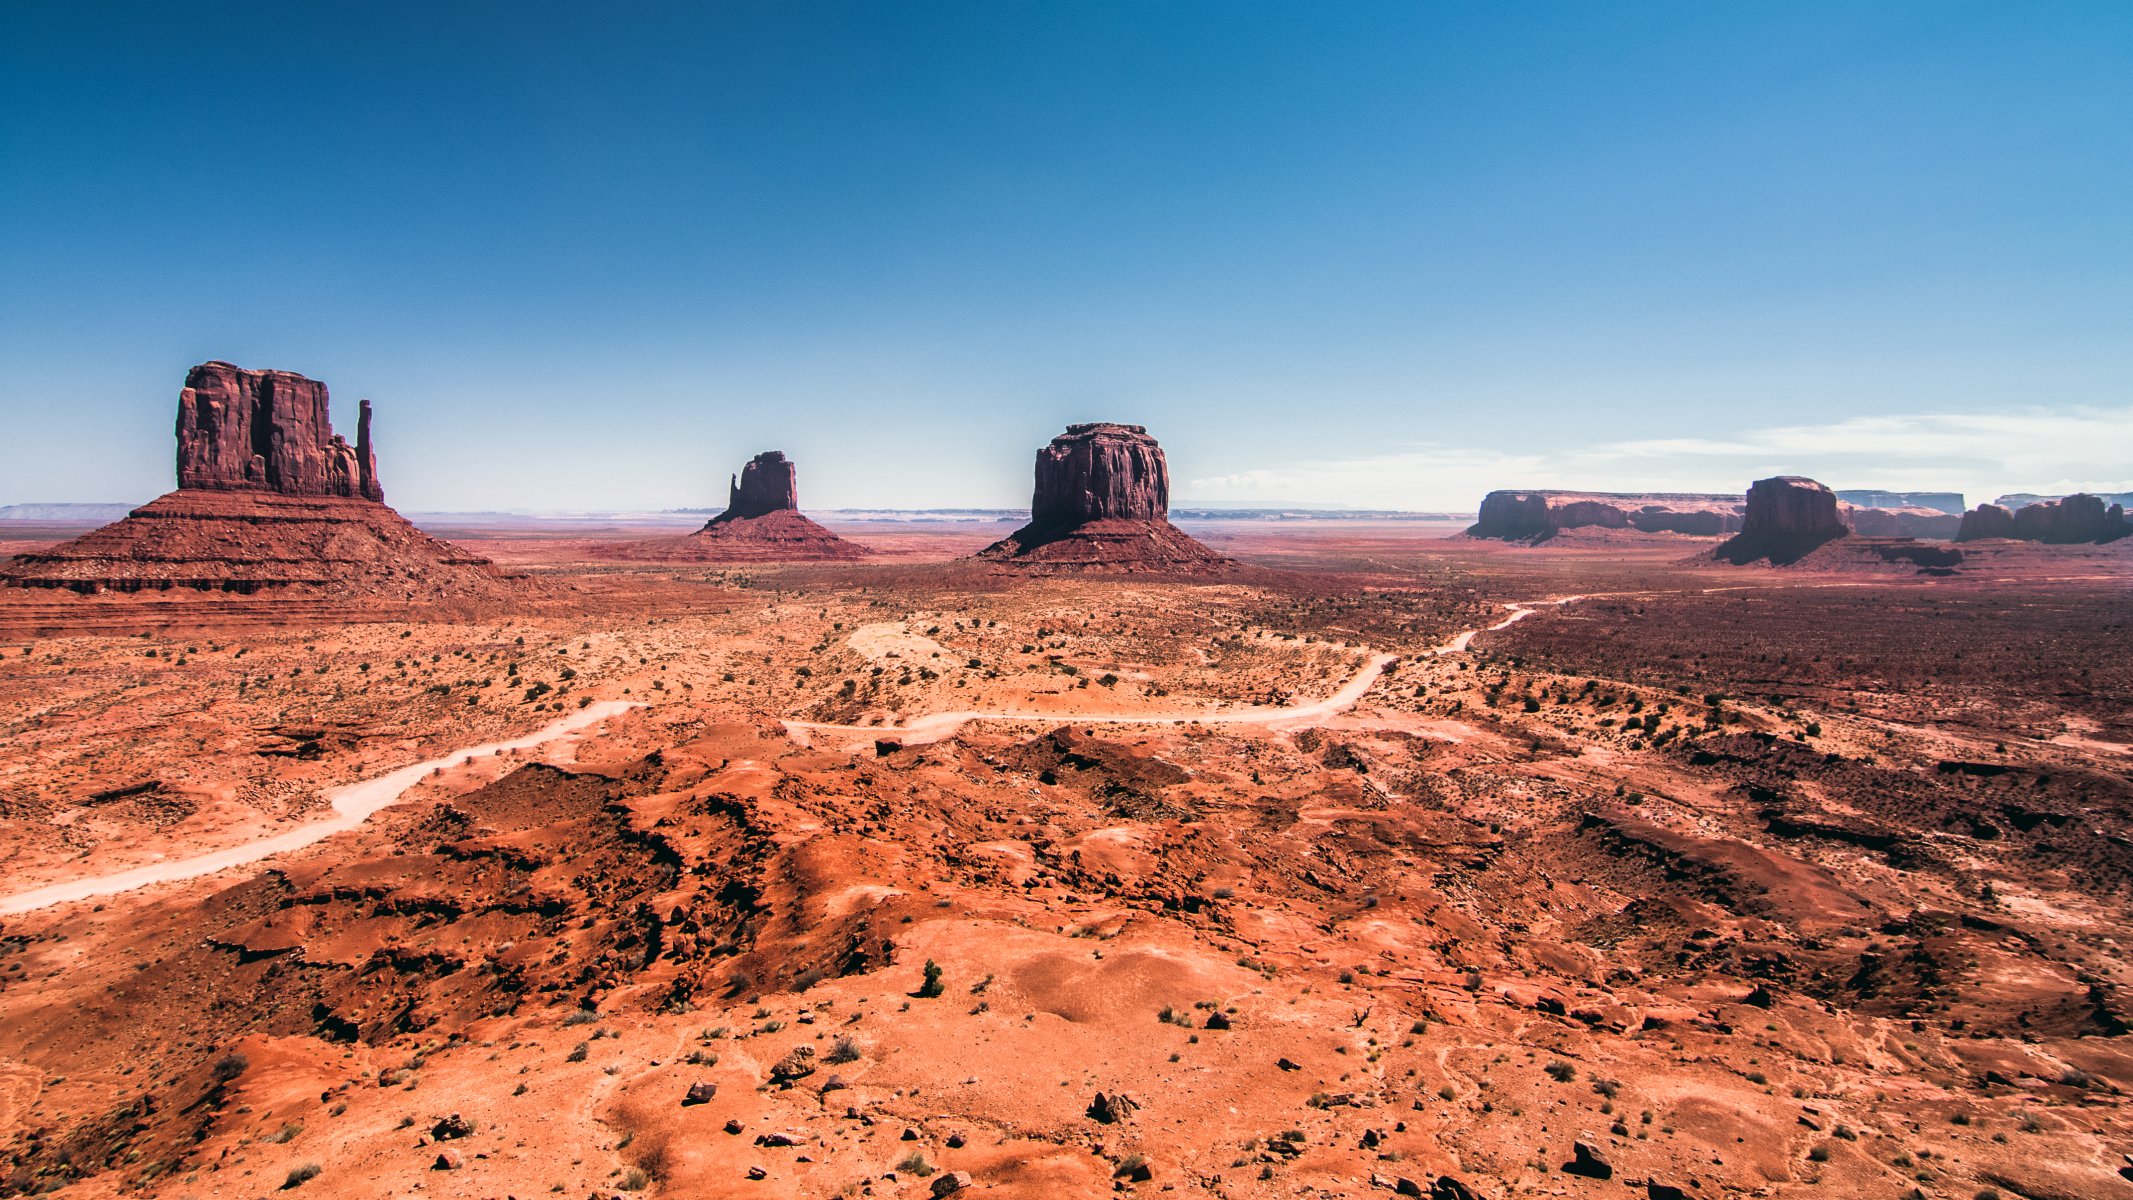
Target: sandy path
(935,726)
(352,805)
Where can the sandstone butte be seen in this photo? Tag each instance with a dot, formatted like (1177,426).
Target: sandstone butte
(1538,515)
(1102,504)
(2079,518)
(1786,518)
(269,497)
(762,523)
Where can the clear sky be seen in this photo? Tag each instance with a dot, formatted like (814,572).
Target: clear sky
(1376,254)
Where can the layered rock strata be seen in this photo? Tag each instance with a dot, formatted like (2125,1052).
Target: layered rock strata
(2074,520)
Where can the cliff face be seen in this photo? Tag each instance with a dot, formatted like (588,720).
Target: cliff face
(1537,515)
(1102,501)
(767,484)
(1098,471)
(268,431)
(1787,517)
(2076,519)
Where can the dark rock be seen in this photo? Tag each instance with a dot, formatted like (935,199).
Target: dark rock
(1109,1110)
(1787,517)
(449,1128)
(1655,1190)
(1587,1160)
(948,1183)
(2073,520)
(700,1092)
(1448,1188)
(766,484)
(449,1160)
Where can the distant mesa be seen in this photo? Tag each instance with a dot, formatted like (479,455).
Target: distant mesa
(1787,518)
(1536,516)
(268,497)
(1950,503)
(762,523)
(1102,504)
(2074,520)
(2014,500)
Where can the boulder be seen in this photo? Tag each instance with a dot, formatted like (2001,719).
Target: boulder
(1587,1160)
(1102,502)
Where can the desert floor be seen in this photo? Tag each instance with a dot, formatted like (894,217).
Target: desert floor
(871,879)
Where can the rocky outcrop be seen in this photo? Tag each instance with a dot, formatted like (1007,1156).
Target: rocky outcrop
(1787,517)
(1102,502)
(1539,515)
(2077,519)
(268,498)
(767,484)
(762,523)
(268,431)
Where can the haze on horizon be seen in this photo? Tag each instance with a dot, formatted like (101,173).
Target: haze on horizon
(1382,255)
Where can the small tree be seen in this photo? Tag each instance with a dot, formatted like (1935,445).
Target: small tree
(932,986)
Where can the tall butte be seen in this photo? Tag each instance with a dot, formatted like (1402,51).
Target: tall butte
(1786,517)
(762,523)
(269,497)
(1102,503)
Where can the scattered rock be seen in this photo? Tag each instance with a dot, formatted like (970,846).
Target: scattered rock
(448,1128)
(1587,1160)
(1448,1188)
(448,1160)
(700,1092)
(948,1183)
(1109,1110)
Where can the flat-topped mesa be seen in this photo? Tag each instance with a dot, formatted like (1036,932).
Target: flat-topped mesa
(1541,514)
(268,431)
(1786,517)
(1102,502)
(2074,520)
(766,484)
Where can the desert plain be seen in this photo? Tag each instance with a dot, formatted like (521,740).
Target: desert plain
(1387,863)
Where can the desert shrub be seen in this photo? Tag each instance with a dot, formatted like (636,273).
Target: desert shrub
(1561,1072)
(300,1174)
(843,1050)
(915,1163)
(932,986)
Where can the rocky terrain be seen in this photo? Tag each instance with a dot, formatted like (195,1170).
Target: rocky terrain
(1102,503)
(761,523)
(269,498)
(1624,876)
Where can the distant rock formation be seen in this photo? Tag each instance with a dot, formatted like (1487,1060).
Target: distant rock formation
(1950,503)
(766,484)
(1102,502)
(268,431)
(2076,519)
(762,523)
(1539,515)
(2018,500)
(1912,521)
(1787,517)
(268,498)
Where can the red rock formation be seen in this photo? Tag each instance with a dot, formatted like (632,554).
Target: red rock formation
(1915,521)
(2076,519)
(268,431)
(268,497)
(765,485)
(1787,516)
(762,523)
(1102,502)
(1540,515)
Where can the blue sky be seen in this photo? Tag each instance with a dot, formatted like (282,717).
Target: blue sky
(1376,254)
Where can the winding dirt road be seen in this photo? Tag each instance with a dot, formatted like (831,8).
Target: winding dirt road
(352,805)
(936,726)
